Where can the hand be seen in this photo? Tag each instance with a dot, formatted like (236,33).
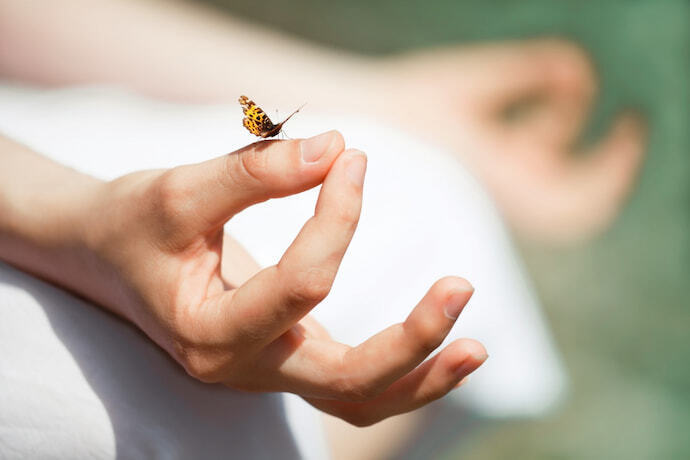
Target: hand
(459,96)
(455,96)
(157,255)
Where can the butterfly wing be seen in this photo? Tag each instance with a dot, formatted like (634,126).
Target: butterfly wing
(255,120)
(251,126)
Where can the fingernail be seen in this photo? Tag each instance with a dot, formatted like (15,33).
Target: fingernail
(315,147)
(470,364)
(456,301)
(356,167)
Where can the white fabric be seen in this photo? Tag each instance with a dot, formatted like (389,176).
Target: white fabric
(75,381)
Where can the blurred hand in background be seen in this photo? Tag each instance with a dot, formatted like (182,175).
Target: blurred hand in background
(515,113)
(460,97)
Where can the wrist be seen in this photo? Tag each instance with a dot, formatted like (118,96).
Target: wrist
(43,214)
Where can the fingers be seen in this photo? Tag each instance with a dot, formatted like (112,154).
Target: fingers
(211,192)
(428,382)
(276,298)
(329,369)
(392,353)
(607,175)
(555,76)
(581,194)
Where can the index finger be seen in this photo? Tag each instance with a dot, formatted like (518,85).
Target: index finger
(277,297)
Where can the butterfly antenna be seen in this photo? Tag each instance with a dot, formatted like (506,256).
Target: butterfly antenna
(290,116)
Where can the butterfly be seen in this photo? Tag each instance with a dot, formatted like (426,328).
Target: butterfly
(257,122)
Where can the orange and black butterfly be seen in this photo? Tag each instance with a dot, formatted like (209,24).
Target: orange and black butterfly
(257,122)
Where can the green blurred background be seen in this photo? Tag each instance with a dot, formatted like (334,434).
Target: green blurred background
(618,305)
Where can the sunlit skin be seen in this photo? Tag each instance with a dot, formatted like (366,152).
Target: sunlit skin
(177,276)
(543,189)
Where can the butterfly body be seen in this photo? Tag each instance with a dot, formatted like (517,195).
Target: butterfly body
(257,122)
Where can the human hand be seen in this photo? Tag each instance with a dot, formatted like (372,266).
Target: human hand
(156,254)
(459,96)
(454,96)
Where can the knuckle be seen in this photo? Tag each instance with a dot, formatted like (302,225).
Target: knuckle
(355,390)
(580,69)
(204,354)
(173,195)
(348,217)
(426,395)
(569,50)
(199,364)
(311,286)
(361,393)
(573,58)
(425,334)
(246,166)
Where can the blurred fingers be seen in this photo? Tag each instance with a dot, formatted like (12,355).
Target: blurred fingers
(551,83)
(580,195)
(608,173)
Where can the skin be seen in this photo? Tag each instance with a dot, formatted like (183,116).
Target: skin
(180,51)
(171,273)
(544,191)
(549,188)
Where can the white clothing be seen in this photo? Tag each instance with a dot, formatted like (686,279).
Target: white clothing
(77,382)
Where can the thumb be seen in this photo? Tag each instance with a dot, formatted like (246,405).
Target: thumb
(220,188)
